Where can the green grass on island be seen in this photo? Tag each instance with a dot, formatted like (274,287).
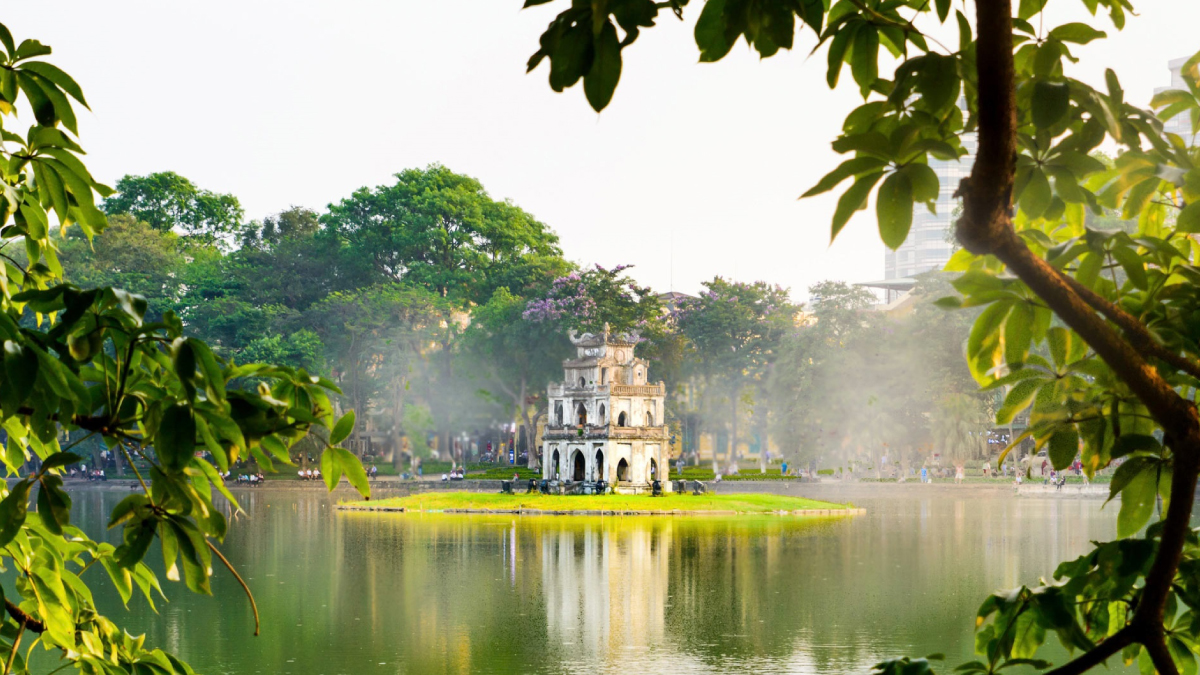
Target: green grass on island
(741,503)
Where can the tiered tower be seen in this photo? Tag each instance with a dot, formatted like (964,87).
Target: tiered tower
(606,421)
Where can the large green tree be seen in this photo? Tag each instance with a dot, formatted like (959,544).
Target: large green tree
(441,230)
(1124,363)
(734,330)
(168,201)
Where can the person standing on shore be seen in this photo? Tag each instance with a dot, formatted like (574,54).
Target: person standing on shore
(924,475)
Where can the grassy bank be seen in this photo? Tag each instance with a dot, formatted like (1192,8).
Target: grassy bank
(741,503)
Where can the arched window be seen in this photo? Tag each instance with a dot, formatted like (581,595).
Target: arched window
(649,419)
(637,375)
(582,383)
(580,415)
(622,471)
(603,419)
(621,420)
(603,376)
(558,413)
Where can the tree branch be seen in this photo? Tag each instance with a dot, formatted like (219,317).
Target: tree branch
(24,617)
(1097,655)
(1156,647)
(1137,332)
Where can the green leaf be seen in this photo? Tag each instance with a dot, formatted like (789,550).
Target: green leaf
(13,510)
(1079,33)
(601,79)
(1129,443)
(1137,500)
(1029,8)
(1035,197)
(1018,333)
(1133,264)
(712,32)
(1018,399)
(54,505)
(864,61)
(854,199)
(354,471)
(331,468)
(60,459)
(20,369)
(848,168)
(894,208)
(342,429)
(1051,103)
(1063,446)
(175,441)
(1188,220)
(937,81)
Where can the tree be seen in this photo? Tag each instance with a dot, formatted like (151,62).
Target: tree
(440,230)
(734,330)
(131,255)
(520,357)
(92,364)
(168,201)
(960,428)
(377,339)
(1124,361)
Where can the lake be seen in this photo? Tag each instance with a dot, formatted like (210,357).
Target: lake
(353,593)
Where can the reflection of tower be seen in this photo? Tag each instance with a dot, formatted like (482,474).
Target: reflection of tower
(606,587)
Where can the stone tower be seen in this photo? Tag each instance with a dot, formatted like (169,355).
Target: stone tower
(606,420)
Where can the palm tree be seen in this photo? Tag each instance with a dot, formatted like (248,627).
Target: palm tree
(959,426)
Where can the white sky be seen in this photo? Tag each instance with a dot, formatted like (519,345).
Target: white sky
(300,102)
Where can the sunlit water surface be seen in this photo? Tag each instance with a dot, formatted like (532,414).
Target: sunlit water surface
(360,593)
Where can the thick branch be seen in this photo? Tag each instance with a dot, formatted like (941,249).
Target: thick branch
(1156,647)
(24,617)
(1094,657)
(1137,332)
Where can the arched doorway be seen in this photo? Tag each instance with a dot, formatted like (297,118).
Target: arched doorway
(621,420)
(552,468)
(654,470)
(577,467)
(600,466)
(623,471)
(649,419)
(580,415)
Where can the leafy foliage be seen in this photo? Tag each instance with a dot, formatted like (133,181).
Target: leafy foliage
(93,360)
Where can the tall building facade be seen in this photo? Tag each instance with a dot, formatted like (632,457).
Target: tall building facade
(929,246)
(1180,124)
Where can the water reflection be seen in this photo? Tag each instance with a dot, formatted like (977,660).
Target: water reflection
(411,593)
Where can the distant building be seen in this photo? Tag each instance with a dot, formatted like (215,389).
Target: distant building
(607,422)
(1180,124)
(929,246)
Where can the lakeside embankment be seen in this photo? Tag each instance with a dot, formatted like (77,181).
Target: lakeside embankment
(830,491)
(669,504)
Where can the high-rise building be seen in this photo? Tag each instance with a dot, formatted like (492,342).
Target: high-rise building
(929,243)
(1180,124)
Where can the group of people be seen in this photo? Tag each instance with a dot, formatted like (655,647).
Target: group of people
(309,474)
(459,474)
(251,478)
(82,472)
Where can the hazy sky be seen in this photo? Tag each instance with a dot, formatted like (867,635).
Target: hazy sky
(692,171)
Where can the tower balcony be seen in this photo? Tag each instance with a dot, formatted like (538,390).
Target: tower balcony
(569,390)
(603,432)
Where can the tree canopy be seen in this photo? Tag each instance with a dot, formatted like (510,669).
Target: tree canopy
(167,201)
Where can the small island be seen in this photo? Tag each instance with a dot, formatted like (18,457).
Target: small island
(612,504)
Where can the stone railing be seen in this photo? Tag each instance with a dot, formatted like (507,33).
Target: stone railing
(591,431)
(639,389)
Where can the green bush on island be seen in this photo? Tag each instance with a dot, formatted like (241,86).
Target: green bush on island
(741,503)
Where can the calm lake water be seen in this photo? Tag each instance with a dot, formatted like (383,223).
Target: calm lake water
(353,593)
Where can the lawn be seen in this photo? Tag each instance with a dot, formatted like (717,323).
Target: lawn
(740,503)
